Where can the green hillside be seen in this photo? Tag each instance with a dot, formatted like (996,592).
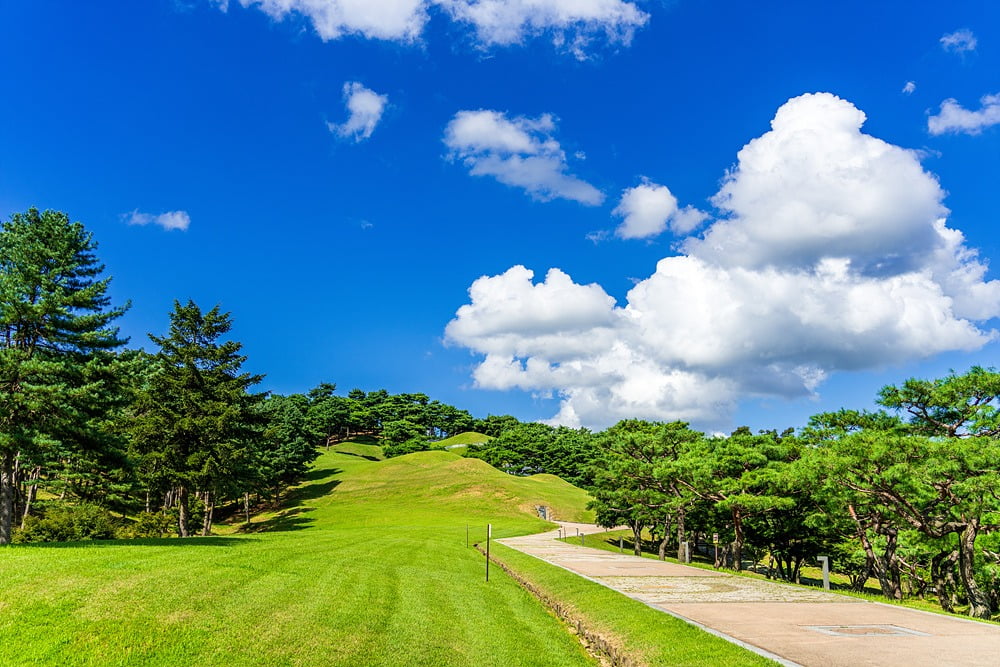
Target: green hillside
(367,565)
(469,438)
(450,486)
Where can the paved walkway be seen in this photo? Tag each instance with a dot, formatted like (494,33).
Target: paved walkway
(797,626)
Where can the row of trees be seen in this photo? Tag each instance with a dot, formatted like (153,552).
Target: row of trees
(910,497)
(394,418)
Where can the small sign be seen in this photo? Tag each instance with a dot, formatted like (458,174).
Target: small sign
(715,538)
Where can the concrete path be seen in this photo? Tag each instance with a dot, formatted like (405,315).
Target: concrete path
(795,625)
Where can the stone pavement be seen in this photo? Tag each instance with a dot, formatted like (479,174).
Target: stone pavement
(794,625)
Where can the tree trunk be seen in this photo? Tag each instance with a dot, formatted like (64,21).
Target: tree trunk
(168,499)
(29,497)
(209,510)
(943,578)
(884,567)
(680,536)
(637,538)
(666,538)
(246,506)
(182,513)
(6,496)
(859,580)
(738,541)
(979,604)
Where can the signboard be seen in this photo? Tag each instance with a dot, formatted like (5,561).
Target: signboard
(715,538)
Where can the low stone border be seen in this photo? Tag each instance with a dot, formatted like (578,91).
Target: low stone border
(596,643)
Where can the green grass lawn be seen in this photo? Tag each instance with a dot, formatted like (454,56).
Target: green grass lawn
(366,565)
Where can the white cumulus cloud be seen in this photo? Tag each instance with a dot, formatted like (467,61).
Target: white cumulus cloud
(648,209)
(832,253)
(959,41)
(519,151)
(909,87)
(393,20)
(953,117)
(364,107)
(572,24)
(169,220)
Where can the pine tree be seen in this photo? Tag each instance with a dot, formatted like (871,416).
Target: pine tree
(195,416)
(56,343)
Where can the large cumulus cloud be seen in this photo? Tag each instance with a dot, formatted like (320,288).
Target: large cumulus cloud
(831,253)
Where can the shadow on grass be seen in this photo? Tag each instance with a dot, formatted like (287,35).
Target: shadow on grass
(306,492)
(319,473)
(362,440)
(293,516)
(141,542)
(286,521)
(361,456)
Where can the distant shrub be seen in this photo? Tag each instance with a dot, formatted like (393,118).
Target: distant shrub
(147,524)
(68,523)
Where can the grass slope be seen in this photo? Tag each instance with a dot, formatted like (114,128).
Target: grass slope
(470,438)
(367,565)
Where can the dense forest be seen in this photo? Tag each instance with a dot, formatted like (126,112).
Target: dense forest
(99,440)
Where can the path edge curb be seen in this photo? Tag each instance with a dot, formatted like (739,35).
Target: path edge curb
(785,662)
(594,641)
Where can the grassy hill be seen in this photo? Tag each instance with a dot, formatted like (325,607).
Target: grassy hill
(366,565)
(469,438)
(450,486)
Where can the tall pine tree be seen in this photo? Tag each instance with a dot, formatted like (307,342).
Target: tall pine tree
(56,343)
(195,415)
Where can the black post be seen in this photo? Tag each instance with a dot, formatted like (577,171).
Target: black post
(489,534)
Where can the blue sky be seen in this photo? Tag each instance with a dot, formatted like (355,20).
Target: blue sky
(590,137)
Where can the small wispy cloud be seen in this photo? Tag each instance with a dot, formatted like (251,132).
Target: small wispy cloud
(170,220)
(956,119)
(365,108)
(959,41)
(909,87)
(598,236)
